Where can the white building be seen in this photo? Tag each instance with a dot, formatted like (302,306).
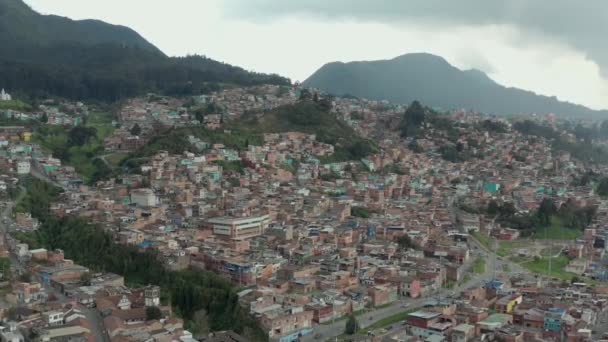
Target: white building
(143,197)
(23,167)
(240,228)
(10,333)
(53,318)
(152,295)
(4,96)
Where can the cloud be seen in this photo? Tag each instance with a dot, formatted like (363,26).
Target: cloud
(474,59)
(582,25)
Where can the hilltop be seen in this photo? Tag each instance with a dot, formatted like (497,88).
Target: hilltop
(432,80)
(46,55)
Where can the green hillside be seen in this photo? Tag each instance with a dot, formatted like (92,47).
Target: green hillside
(313,118)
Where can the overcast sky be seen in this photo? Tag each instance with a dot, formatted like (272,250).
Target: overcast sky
(553,47)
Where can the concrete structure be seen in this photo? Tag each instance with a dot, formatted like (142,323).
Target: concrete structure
(53,318)
(238,228)
(463,333)
(10,333)
(287,324)
(152,295)
(23,167)
(427,324)
(143,197)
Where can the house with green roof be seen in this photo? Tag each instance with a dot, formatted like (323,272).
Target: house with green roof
(491,187)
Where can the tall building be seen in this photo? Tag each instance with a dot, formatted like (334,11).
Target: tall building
(238,228)
(152,295)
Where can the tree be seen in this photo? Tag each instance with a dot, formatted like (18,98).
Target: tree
(493,208)
(81,135)
(450,153)
(406,242)
(305,95)
(102,171)
(199,114)
(546,210)
(415,147)
(351,325)
(25,278)
(472,142)
(360,149)
(135,130)
(361,212)
(412,120)
(153,312)
(44,118)
(602,188)
(85,279)
(200,323)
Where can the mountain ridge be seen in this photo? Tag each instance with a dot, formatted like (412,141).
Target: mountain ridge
(433,80)
(47,55)
(21,24)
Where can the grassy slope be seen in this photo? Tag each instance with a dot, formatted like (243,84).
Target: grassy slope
(303,117)
(541,266)
(557,231)
(484,239)
(479,266)
(308,117)
(15,105)
(55,138)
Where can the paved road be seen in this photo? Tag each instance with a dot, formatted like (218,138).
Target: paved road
(493,262)
(4,222)
(330,331)
(96,324)
(97,328)
(42,176)
(6,213)
(96,321)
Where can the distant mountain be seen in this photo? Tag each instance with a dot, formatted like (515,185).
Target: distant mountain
(43,55)
(433,81)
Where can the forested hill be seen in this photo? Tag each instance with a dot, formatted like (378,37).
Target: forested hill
(433,81)
(22,27)
(44,55)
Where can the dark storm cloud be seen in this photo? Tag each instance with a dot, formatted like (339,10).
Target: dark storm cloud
(582,25)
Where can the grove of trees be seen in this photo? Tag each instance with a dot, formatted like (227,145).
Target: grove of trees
(87,244)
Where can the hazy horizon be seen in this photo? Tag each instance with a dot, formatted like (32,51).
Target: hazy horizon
(520,44)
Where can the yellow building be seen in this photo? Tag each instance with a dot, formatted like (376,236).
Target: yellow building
(506,304)
(26,136)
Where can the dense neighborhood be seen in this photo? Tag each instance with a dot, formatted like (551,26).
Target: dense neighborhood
(455,227)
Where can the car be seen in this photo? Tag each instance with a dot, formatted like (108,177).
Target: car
(389,327)
(405,305)
(318,336)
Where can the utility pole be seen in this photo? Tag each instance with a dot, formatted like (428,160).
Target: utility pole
(494,259)
(550,257)
(333,307)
